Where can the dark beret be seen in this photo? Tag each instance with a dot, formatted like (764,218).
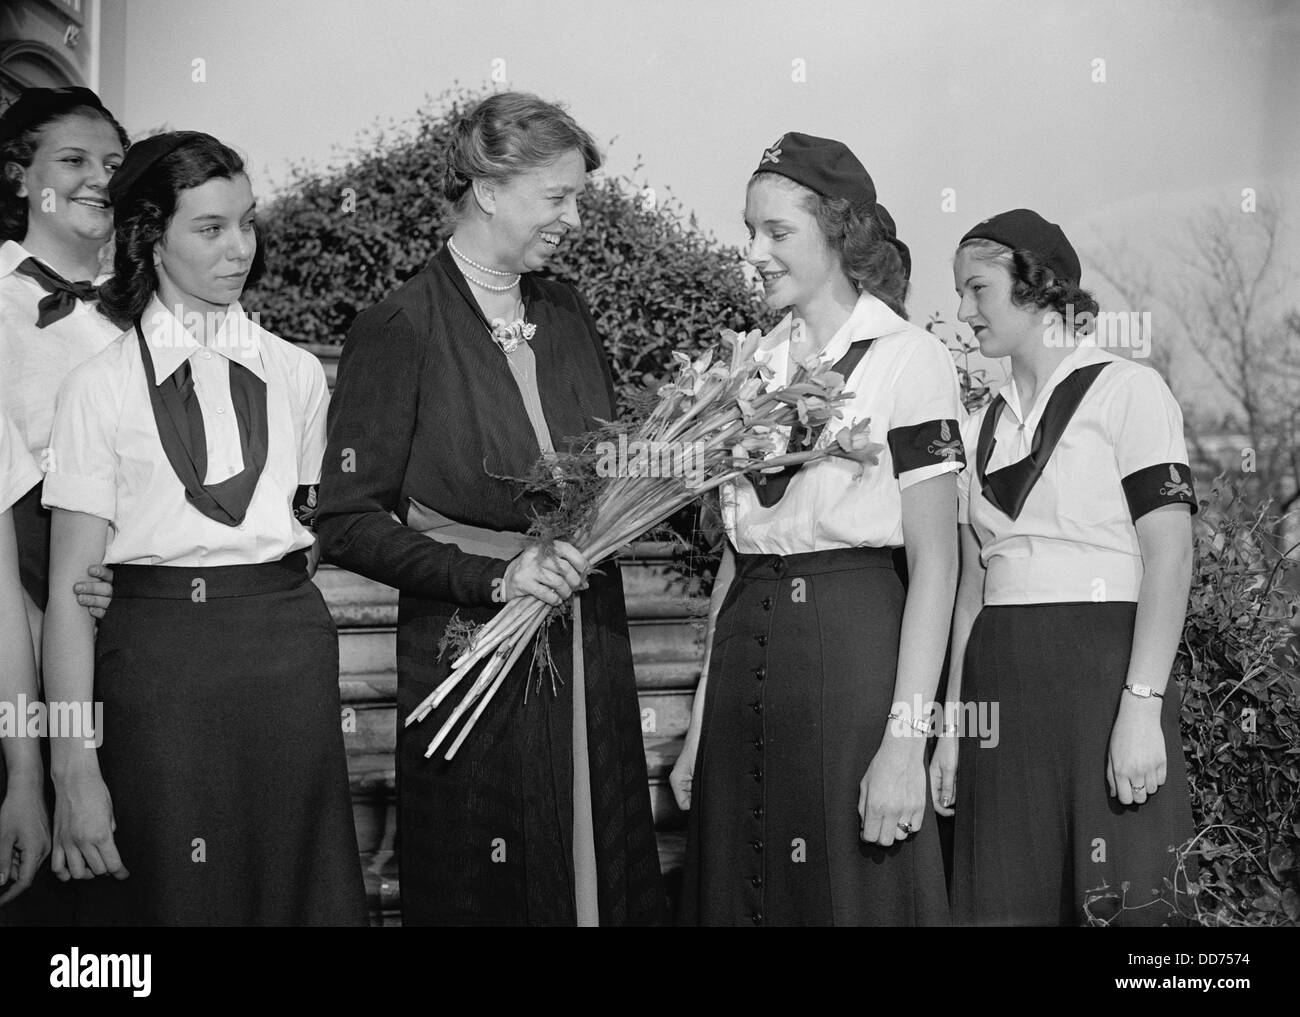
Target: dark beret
(1024,230)
(820,164)
(831,169)
(37,106)
(142,156)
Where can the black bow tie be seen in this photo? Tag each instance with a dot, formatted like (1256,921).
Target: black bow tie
(62,295)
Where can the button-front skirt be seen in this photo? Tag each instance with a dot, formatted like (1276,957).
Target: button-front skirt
(800,688)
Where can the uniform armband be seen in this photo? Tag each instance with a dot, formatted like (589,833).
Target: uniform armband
(304,504)
(1162,484)
(926,444)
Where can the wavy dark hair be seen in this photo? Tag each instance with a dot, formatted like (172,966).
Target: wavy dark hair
(506,134)
(860,240)
(1033,284)
(143,220)
(21,150)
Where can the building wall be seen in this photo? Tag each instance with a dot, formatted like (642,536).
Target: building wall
(52,43)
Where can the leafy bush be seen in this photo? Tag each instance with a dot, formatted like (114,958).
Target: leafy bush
(1237,665)
(975,387)
(339,240)
(655,282)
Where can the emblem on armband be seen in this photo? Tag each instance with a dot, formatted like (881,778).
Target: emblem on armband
(946,447)
(1175,486)
(304,504)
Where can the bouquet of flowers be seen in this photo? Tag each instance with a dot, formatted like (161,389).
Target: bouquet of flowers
(716,422)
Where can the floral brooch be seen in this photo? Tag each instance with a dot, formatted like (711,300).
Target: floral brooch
(509,335)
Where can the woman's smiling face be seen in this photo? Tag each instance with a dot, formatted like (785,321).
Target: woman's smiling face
(66,185)
(786,245)
(533,211)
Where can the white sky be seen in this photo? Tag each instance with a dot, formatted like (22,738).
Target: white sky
(992,98)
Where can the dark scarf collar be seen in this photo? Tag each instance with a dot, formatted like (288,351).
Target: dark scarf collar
(179,419)
(1009,487)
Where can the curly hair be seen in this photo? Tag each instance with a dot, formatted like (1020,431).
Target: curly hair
(142,220)
(506,134)
(21,150)
(1033,284)
(859,239)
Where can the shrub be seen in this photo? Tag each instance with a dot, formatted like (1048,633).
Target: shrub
(1237,665)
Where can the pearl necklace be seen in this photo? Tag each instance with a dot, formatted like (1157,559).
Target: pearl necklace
(475,265)
(488,286)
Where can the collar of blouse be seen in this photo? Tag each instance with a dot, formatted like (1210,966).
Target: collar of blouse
(13,254)
(170,343)
(870,319)
(1084,353)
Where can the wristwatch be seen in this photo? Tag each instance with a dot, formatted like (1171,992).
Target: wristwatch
(1144,691)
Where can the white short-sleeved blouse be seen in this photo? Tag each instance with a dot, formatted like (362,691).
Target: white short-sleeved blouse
(34,361)
(107,460)
(907,385)
(18,470)
(1121,455)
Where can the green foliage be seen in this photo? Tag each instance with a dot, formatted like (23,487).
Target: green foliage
(339,240)
(654,281)
(1237,665)
(975,387)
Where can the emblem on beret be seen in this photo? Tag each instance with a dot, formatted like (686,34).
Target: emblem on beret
(773,154)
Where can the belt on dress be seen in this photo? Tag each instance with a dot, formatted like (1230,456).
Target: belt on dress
(220,582)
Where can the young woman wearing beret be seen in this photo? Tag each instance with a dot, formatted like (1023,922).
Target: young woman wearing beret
(1076,561)
(184,454)
(803,767)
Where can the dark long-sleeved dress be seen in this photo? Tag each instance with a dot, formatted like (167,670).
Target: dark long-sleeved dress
(426,410)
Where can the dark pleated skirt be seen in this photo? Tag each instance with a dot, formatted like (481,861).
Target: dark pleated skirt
(223,752)
(801,684)
(487,837)
(1037,835)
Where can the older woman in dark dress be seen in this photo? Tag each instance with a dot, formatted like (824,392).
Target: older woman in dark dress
(522,827)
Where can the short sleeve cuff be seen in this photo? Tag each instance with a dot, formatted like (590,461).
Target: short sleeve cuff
(17,484)
(1155,486)
(921,473)
(79,494)
(925,445)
